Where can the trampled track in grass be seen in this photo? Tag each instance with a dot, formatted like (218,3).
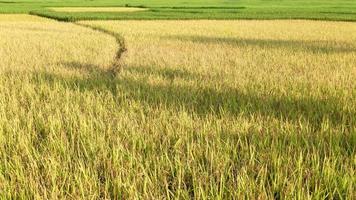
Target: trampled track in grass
(219,109)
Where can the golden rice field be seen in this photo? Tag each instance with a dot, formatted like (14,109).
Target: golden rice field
(97,9)
(201,110)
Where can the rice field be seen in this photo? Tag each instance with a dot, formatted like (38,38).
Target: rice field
(340,10)
(97,9)
(201,109)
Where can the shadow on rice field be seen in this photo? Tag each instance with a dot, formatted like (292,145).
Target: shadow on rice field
(163,129)
(204,101)
(255,156)
(309,46)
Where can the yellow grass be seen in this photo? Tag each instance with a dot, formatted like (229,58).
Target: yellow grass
(20,18)
(202,109)
(96,9)
(273,54)
(30,43)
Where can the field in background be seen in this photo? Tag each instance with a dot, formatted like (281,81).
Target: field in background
(97,9)
(219,109)
(344,10)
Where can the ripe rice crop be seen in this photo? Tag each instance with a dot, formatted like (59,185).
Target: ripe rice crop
(96,9)
(202,109)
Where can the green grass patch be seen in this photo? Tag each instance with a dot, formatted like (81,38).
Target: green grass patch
(179,9)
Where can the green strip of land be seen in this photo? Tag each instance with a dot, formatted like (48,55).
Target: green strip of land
(343,10)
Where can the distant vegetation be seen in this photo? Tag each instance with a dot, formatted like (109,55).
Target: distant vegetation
(97,9)
(344,10)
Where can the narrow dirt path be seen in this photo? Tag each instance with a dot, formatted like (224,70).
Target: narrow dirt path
(117,62)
